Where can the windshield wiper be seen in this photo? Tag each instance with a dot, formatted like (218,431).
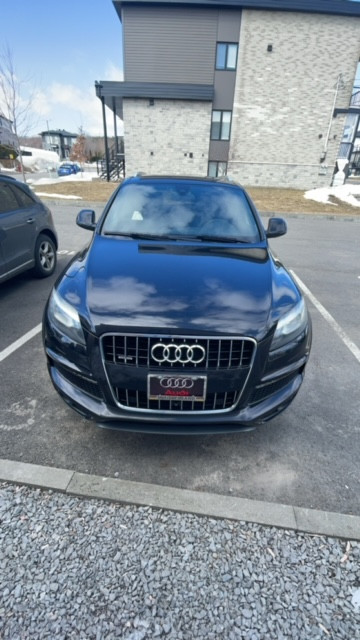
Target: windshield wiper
(150,236)
(135,236)
(227,239)
(182,238)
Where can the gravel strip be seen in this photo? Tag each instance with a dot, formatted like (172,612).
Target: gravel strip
(87,569)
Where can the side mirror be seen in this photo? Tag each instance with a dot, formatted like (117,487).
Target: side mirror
(86,219)
(276,227)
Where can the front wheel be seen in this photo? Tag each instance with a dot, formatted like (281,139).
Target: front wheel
(45,256)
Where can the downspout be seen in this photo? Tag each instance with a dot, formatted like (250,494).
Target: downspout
(105,140)
(326,143)
(115,127)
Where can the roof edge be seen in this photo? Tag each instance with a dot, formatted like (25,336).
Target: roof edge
(330,7)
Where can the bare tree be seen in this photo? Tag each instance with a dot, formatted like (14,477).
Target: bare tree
(15,106)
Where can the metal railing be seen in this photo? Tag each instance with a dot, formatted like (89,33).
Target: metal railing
(116,165)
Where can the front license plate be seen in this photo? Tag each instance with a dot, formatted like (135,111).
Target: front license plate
(177,387)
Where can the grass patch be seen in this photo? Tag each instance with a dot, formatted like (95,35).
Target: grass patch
(267,200)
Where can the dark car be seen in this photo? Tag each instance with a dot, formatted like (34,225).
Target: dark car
(177,317)
(28,238)
(68,168)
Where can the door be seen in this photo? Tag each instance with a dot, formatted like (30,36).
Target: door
(17,229)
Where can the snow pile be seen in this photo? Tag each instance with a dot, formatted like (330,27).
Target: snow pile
(57,195)
(349,193)
(40,159)
(82,176)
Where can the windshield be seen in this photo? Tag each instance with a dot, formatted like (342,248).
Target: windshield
(187,210)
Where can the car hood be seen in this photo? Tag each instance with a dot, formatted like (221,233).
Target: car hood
(199,288)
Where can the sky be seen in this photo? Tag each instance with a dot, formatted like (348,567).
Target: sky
(59,49)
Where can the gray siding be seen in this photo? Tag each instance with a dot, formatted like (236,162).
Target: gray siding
(229,25)
(224,87)
(219,150)
(224,81)
(156,90)
(169,44)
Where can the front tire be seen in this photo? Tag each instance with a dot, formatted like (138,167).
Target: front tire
(45,257)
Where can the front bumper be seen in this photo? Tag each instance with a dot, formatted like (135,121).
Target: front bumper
(259,403)
(79,376)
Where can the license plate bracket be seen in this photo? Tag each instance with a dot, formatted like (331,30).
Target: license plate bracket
(174,387)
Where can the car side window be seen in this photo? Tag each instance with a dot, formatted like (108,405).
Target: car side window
(8,201)
(25,199)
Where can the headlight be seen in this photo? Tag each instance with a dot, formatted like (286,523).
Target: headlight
(65,318)
(290,325)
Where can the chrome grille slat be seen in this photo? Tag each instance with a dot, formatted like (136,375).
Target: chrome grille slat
(139,400)
(230,354)
(219,354)
(242,352)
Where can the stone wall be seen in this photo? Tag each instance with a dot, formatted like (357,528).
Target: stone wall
(168,137)
(288,69)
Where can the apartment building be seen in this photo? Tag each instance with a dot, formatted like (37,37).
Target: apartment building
(257,89)
(7,136)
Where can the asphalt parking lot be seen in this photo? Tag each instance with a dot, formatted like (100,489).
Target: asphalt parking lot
(307,457)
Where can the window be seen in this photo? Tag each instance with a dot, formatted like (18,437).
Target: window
(220,125)
(217,169)
(226,56)
(8,201)
(25,199)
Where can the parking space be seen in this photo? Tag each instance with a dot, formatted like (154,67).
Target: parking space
(307,457)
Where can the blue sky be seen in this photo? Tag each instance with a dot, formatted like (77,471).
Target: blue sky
(60,49)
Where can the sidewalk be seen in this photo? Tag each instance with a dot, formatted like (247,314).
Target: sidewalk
(75,567)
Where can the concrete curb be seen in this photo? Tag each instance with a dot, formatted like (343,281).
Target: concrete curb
(182,500)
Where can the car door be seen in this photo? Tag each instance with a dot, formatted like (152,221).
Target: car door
(17,228)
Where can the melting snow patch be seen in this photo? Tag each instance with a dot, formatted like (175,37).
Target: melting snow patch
(349,193)
(83,176)
(57,195)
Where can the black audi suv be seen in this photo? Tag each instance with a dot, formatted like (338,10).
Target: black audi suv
(177,317)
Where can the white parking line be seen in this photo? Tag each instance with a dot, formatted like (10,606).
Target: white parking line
(325,314)
(20,342)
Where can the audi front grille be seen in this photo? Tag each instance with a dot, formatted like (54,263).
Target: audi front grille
(145,351)
(152,354)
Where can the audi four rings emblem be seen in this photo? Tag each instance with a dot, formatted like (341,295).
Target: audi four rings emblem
(176,383)
(178,353)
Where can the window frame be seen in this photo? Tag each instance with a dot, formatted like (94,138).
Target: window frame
(217,163)
(25,199)
(222,112)
(3,209)
(226,67)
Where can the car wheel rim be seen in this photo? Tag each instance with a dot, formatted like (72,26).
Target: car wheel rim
(47,256)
